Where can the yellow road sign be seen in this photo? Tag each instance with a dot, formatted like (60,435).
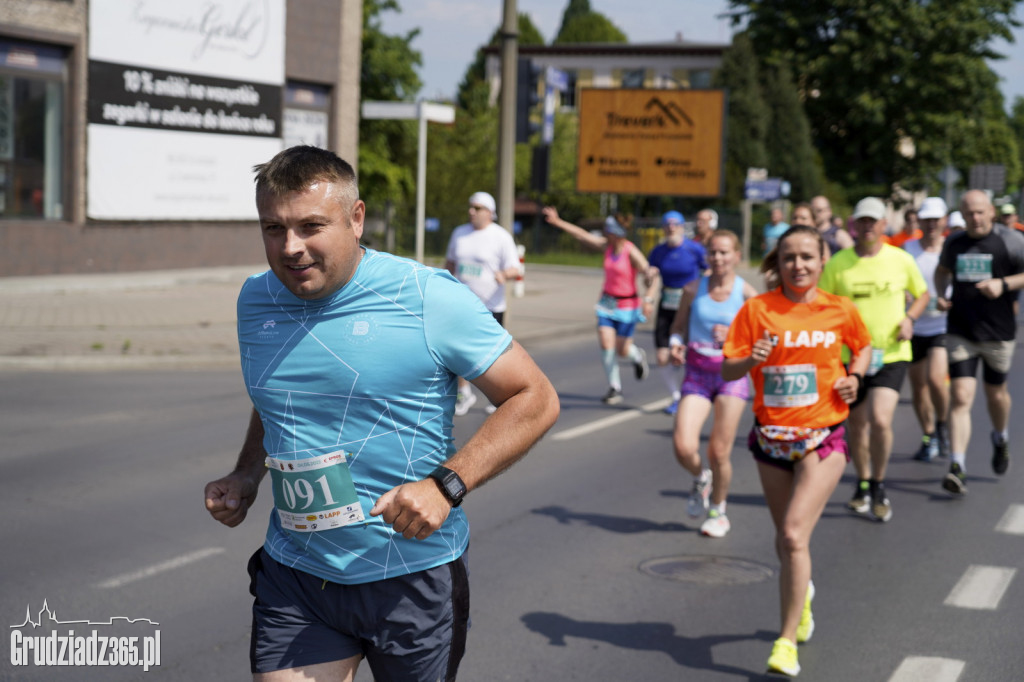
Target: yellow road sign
(651,141)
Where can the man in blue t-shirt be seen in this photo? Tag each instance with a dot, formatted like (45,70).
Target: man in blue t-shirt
(674,263)
(775,228)
(351,359)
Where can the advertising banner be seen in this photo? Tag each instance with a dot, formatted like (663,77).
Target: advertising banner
(183,99)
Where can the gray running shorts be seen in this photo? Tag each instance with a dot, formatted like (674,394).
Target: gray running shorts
(997,357)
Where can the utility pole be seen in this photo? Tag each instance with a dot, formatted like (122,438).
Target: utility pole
(507,118)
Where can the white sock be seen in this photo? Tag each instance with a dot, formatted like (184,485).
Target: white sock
(611,368)
(634,353)
(961,459)
(720,508)
(1000,436)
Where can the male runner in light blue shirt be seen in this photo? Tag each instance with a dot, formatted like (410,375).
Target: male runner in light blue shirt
(350,357)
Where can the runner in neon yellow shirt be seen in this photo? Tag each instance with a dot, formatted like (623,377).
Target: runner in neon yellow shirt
(877,277)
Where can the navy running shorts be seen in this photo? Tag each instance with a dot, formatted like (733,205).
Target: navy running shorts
(410,627)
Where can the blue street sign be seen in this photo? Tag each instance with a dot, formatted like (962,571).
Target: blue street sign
(557,79)
(763,190)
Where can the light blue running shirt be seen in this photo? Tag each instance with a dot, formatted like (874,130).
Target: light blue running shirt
(370,371)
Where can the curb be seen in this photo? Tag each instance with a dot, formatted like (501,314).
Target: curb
(89,363)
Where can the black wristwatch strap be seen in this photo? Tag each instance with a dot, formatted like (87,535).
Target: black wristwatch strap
(450,483)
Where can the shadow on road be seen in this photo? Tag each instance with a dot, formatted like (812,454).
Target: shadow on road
(615,524)
(689,652)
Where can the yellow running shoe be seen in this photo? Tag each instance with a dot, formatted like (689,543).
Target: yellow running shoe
(806,627)
(783,660)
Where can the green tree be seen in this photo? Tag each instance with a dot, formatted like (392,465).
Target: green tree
(387,149)
(474,92)
(880,78)
(591,28)
(574,10)
(461,159)
(747,127)
(581,24)
(1017,127)
(790,152)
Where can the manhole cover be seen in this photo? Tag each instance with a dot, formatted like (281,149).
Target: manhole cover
(707,570)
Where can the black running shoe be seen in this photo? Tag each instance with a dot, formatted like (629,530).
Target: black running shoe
(612,397)
(861,500)
(881,508)
(641,369)
(955,482)
(929,448)
(1000,455)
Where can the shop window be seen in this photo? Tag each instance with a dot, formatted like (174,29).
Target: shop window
(700,78)
(32,114)
(633,78)
(569,96)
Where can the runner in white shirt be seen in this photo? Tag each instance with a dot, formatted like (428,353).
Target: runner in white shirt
(929,366)
(483,256)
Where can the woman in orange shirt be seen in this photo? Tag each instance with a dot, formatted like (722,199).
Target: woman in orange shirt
(790,341)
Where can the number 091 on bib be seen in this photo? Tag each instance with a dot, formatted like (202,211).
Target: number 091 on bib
(314,494)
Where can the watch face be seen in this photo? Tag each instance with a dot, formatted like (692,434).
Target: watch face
(451,485)
(454,485)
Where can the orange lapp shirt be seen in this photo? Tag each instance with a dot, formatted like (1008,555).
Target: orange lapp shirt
(793,386)
(901,237)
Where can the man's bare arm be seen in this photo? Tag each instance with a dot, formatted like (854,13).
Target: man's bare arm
(228,499)
(527,406)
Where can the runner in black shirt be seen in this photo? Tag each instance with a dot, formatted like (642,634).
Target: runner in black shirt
(984,263)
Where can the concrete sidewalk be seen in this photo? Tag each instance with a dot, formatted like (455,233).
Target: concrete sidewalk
(186,318)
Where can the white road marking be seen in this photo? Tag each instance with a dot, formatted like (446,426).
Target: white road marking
(155,569)
(981,587)
(1012,521)
(605,422)
(931,668)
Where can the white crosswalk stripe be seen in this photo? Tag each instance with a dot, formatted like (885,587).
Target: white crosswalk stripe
(1012,521)
(931,668)
(606,422)
(163,567)
(981,587)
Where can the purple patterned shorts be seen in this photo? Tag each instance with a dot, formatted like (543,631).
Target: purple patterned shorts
(704,378)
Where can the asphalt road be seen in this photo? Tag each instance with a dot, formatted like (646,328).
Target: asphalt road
(583,563)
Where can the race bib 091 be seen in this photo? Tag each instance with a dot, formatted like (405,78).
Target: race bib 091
(314,494)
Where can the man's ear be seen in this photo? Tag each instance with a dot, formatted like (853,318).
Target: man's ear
(357,216)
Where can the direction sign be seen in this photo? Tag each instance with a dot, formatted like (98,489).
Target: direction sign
(763,190)
(557,79)
(651,141)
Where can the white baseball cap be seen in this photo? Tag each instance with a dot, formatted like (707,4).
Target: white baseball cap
(932,207)
(869,207)
(482,199)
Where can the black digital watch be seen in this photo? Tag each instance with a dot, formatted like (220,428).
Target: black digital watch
(450,484)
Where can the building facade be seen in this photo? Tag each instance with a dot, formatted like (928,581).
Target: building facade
(128,130)
(669,65)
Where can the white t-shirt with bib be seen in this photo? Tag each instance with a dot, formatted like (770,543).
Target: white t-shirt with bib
(477,255)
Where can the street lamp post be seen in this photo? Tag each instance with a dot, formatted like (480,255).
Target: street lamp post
(422,112)
(507,116)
